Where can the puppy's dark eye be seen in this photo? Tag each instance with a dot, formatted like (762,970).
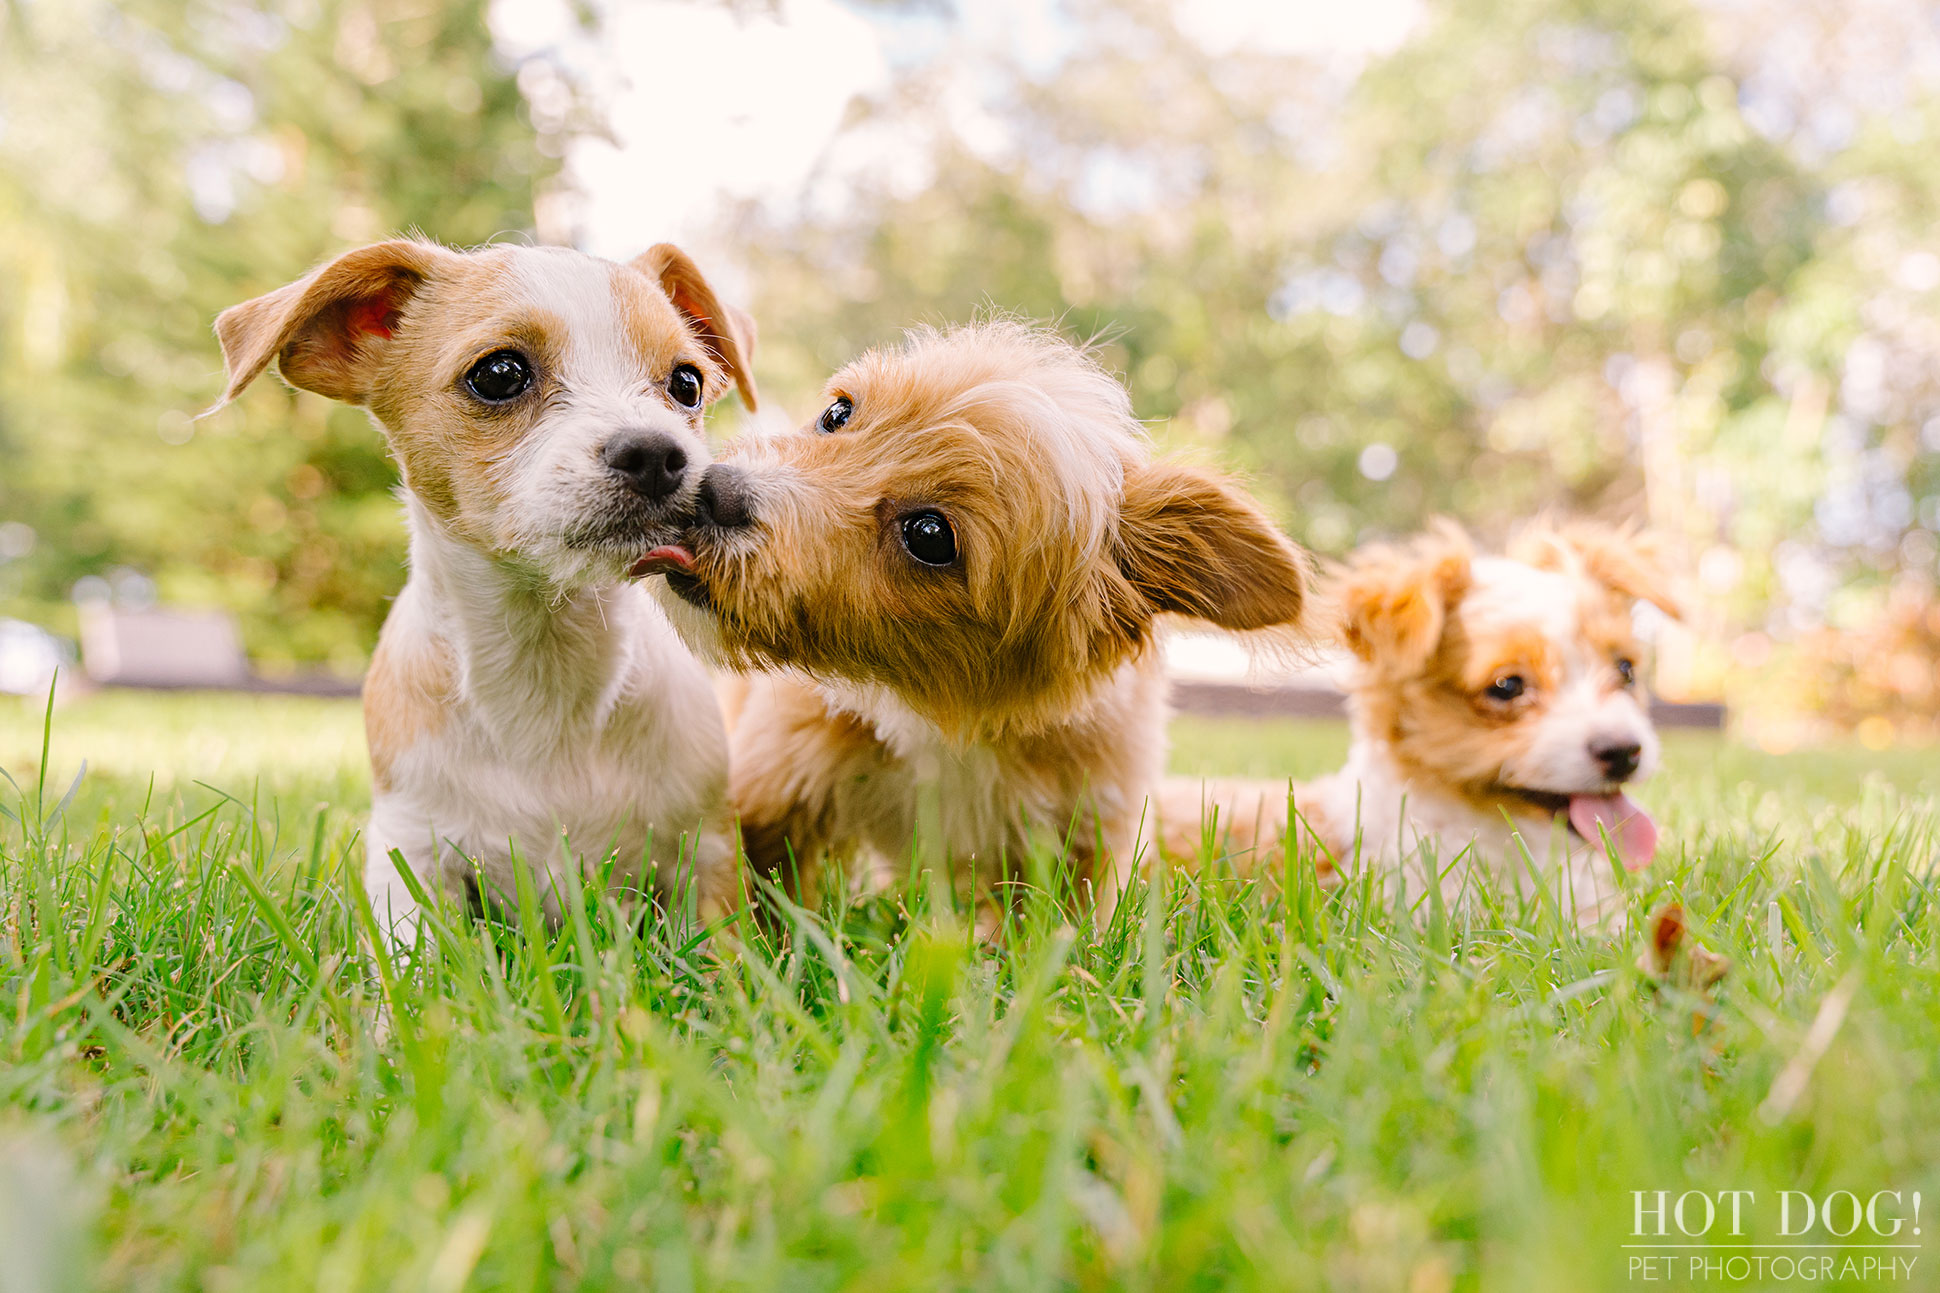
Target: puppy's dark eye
(837,415)
(501,376)
(1507,687)
(1626,671)
(927,536)
(684,384)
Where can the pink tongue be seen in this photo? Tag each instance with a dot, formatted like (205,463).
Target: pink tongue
(658,561)
(1628,826)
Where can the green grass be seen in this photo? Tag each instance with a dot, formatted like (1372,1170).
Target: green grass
(1231,1087)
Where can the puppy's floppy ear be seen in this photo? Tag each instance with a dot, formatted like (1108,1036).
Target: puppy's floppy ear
(1394,602)
(1191,544)
(328,329)
(1631,562)
(724,330)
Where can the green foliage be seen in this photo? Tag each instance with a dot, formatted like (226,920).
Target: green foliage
(1233,1086)
(1603,256)
(161,160)
(1546,254)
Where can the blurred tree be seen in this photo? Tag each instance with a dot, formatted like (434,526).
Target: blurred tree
(1586,254)
(1654,258)
(160,160)
(1456,282)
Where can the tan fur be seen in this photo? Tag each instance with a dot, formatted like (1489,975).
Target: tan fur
(727,332)
(1017,685)
(791,760)
(406,692)
(1192,545)
(1635,564)
(327,329)
(1393,601)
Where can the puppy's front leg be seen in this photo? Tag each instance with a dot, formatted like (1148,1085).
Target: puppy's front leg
(396,911)
(398,915)
(441,873)
(794,767)
(1103,863)
(783,847)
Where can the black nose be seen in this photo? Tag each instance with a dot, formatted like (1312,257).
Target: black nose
(650,462)
(724,497)
(1617,755)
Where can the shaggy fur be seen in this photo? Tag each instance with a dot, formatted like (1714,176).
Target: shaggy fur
(1008,699)
(524,695)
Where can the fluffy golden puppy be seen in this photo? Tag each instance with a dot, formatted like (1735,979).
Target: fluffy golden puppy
(953,576)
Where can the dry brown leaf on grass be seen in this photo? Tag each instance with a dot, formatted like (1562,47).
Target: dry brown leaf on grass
(1672,957)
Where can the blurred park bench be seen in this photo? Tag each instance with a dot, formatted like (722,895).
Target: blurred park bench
(1216,676)
(1297,700)
(170,649)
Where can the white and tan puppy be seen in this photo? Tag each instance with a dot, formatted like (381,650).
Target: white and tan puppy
(1498,694)
(526,700)
(1496,705)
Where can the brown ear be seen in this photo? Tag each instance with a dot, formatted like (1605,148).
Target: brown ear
(326,330)
(1631,562)
(1394,602)
(724,330)
(1191,544)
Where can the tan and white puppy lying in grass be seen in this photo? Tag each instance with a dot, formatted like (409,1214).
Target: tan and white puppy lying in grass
(1494,696)
(957,569)
(544,408)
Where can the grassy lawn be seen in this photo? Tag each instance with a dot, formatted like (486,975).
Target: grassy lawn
(1234,1086)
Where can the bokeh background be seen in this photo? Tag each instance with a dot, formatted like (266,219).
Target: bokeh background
(1671,260)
